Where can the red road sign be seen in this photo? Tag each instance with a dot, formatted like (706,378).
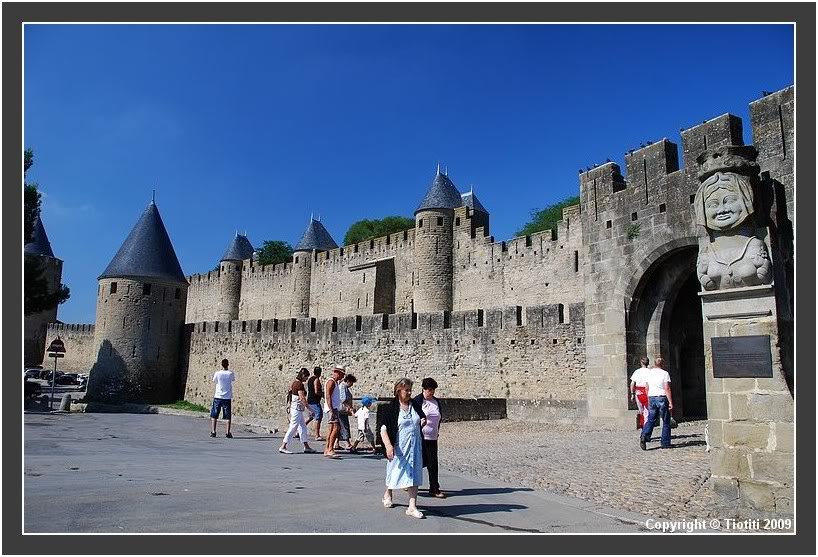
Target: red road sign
(57,345)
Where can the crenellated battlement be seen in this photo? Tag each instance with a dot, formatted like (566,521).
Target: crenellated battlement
(550,319)
(655,186)
(57,328)
(367,251)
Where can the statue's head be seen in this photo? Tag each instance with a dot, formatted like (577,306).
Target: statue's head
(724,201)
(725,198)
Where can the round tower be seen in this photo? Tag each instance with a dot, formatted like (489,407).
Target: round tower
(434,239)
(230,272)
(38,252)
(315,238)
(141,304)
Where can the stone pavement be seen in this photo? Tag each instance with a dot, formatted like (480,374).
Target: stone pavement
(160,473)
(605,467)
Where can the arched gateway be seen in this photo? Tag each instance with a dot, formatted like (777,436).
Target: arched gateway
(664,318)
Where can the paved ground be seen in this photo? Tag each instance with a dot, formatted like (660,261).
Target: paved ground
(605,467)
(160,473)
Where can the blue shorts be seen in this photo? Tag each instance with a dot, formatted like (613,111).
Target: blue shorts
(319,412)
(224,405)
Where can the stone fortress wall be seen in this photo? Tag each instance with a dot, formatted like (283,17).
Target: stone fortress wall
(637,224)
(515,352)
(360,279)
(79,343)
(591,266)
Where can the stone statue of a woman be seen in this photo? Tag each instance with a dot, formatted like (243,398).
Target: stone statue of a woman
(734,256)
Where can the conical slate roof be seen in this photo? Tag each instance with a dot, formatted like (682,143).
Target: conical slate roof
(441,195)
(239,249)
(315,237)
(147,252)
(39,244)
(470,200)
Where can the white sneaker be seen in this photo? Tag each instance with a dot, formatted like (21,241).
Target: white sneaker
(284,451)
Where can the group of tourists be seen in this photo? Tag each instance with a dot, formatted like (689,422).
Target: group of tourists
(337,406)
(409,433)
(650,388)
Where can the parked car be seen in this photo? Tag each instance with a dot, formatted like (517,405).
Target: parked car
(48,375)
(32,373)
(32,389)
(83,380)
(68,379)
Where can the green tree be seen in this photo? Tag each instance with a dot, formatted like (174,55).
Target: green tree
(544,219)
(36,297)
(273,252)
(368,229)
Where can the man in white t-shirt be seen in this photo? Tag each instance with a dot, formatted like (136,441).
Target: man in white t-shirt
(222,398)
(660,404)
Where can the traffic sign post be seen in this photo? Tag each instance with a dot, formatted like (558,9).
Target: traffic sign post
(56,350)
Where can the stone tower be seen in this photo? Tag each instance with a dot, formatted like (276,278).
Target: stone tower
(316,238)
(478,213)
(39,251)
(433,246)
(230,269)
(140,316)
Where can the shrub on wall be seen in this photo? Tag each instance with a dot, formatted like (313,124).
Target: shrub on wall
(547,218)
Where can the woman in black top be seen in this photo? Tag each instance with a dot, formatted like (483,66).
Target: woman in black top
(314,395)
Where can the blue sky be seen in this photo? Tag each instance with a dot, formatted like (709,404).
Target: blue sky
(253,127)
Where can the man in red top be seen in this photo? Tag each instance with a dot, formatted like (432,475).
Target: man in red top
(298,404)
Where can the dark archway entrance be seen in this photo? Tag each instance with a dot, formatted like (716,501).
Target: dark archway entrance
(665,318)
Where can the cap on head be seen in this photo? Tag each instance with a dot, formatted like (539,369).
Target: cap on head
(367,400)
(339,370)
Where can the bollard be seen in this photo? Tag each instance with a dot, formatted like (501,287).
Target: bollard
(65,403)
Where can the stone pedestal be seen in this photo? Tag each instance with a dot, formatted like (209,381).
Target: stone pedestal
(750,419)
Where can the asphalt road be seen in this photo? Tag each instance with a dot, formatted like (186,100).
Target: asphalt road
(133,473)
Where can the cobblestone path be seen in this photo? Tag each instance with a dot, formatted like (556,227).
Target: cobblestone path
(606,467)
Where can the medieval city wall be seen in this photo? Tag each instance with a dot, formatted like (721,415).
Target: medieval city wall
(79,347)
(344,279)
(632,222)
(543,268)
(377,276)
(513,352)
(266,292)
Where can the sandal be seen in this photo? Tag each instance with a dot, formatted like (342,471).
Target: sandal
(319,438)
(414,513)
(387,503)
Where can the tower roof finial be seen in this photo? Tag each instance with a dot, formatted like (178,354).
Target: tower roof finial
(446,170)
(153,196)
(438,168)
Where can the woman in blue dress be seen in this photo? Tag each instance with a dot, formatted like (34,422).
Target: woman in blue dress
(401,436)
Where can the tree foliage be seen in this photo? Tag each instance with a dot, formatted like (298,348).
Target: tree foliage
(544,219)
(37,296)
(368,229)
(274,252)
(31,199)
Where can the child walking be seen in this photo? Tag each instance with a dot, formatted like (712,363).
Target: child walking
(364,431)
